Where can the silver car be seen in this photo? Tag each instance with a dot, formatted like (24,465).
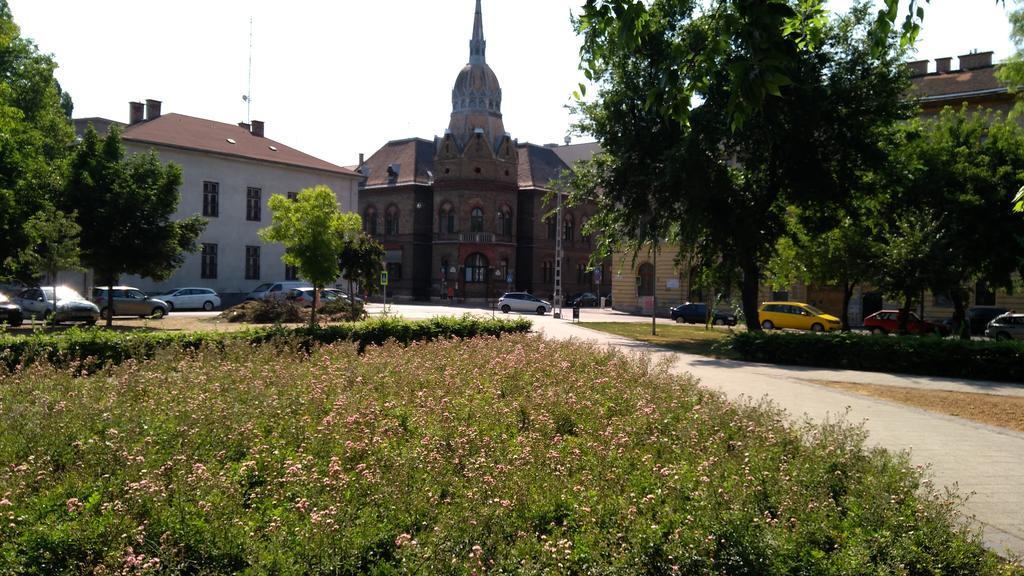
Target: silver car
(181,298)
(129,301)
(522,302)
(1006,327)
(70,305)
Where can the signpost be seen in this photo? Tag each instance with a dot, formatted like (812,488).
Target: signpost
(384,285)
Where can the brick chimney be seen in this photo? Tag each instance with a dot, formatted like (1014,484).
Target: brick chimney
(918,68)
(152,109)
(975,60)
(244,125)
(136,112)
(942,64)
(257,128)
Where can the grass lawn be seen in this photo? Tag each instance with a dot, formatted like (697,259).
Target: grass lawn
(680,337)
(516,455)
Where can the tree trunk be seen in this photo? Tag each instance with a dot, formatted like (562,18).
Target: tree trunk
(110,301)
(749,287)
(53,283)
(959,314)
(316,304)
(847,295)
(904,315)
(351,299)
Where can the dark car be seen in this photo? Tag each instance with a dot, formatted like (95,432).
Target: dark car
(582,299)
(978,318)
(10,313)
(697,313)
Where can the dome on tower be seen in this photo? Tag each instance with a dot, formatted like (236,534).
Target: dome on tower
(476,90)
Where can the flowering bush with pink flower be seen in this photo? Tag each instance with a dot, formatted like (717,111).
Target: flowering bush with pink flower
(516,455)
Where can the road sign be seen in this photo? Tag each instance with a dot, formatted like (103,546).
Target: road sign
(384,278)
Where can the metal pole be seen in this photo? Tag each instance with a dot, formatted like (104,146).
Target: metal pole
(557,297)
(654,293)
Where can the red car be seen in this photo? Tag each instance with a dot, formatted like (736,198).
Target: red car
(888,321)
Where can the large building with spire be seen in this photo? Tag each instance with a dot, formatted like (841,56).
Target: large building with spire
(467,214)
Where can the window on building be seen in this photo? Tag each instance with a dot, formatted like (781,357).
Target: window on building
(983,295)
(581,273)
(476,220)
(209,261)
(504,223)
(293,196)
(391,220)
(394,272)
(211,199)
(552,227)
(781,296)
(567,228)
(447,218)
(476,268)
(503,268)
(252,262)
(291,272)
(370,220)
(253,204)
(548,268)
(584,236)
(645,280)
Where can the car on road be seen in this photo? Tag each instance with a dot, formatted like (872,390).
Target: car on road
(1009,326)
(196,298)
(582,299)
(38,302)
(342,294)
(522,302)
(276,290)
(10,313)
(888,322)
(697,313)
(129,301)
(796,315)
(978,317)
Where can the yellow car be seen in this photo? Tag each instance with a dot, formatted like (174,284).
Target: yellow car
(796,315)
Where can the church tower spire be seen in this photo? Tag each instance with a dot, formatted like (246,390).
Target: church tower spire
(478,46)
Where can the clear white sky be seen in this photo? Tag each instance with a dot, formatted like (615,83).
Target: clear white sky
(336,78)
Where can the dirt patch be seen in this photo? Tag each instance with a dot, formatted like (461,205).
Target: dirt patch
(993,409)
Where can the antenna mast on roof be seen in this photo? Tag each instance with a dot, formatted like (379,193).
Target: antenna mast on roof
(247,97)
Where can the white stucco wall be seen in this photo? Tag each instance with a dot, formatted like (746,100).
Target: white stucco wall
(230,230)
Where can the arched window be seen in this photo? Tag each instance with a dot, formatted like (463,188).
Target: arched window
(391,220)
(504,218)
(584,236)
(476,268)
(552,227)
(567,227)
(447,218)
(476,220)
(645,284)
(370,220)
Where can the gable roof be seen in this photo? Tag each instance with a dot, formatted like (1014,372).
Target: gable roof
(411,159)
(199,134)
(957,85)
(538,166)
(573,153)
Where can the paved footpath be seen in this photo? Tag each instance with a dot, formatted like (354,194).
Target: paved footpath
(983,461)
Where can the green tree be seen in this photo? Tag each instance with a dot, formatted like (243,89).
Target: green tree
(720,180)
(361,261)
(35,133)
(313,231)
(125,205)
(53,245)
(960,168)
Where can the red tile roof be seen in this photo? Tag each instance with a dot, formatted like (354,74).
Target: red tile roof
(410,159)
(190,133)
(957,84)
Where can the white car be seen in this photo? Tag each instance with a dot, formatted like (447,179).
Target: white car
(71,306)
(181,298)
(523,302)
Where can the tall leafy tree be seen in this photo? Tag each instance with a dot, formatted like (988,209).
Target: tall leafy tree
(53,245)
(125,207)
(960,169)
(1011,73)
(361,261)
(720,178)
(313,231)
(35,133)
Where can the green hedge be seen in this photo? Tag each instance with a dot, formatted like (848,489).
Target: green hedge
(89,349)
(925,355)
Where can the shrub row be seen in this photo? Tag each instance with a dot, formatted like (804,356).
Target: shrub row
(925,355)
(93,348)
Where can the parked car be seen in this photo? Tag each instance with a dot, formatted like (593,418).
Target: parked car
(797,315)
(1006,327)
(304,296)
(583,300)
(978,318)
(522,302)
(342,294)
(38,302)
(888,322)
(278,290)
(182,298)
(697,313)
(129,301)
(10,313)
(11,288)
